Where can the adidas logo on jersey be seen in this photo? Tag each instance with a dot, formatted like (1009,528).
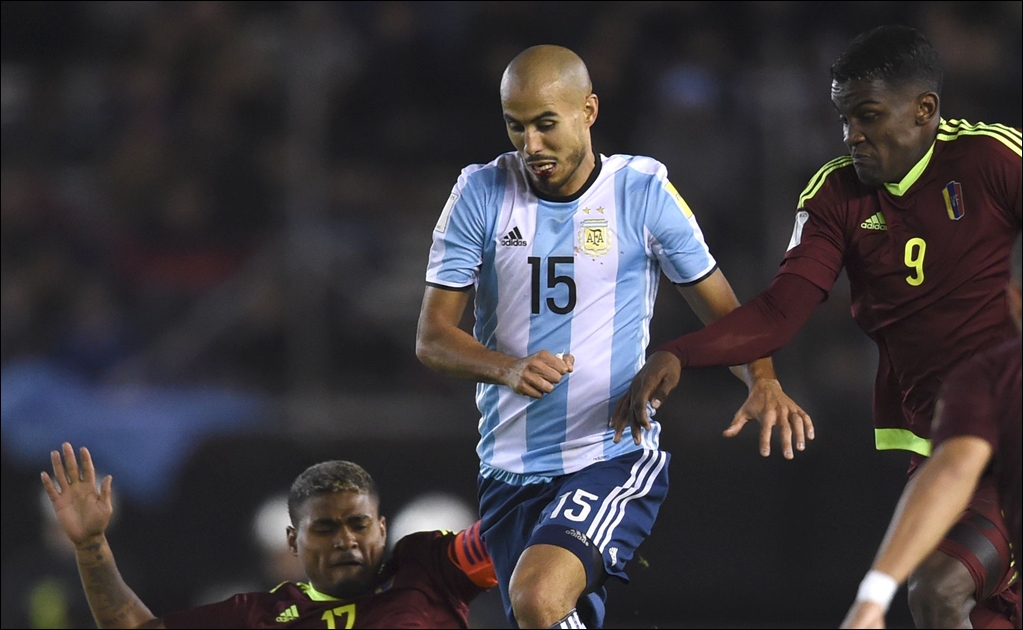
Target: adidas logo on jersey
(289,614)
(875,222)
(514,239)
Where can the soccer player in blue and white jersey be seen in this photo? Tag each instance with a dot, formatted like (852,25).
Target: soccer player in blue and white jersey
(565,249)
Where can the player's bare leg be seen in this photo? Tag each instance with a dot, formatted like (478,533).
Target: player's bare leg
(941,593)
(545,586)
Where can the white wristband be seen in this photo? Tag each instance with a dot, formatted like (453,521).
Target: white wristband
(877,587)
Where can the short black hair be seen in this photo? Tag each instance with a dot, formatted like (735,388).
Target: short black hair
(329,478)
(897,55)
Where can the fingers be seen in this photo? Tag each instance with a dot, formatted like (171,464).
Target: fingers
(60,476)
(568,360)
(70,463)
(105,491)
(632,411)
(738,422)
(785,434)
(807,423)
(766,428)
(618,420)
(51,490)
(797,430)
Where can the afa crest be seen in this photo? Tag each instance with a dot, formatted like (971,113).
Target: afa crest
(594,237)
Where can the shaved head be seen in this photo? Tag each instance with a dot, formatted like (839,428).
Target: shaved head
(546,67)
(549,106)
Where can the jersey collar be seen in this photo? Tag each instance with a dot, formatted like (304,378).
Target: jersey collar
(579,193)
(914,174)
(314,594)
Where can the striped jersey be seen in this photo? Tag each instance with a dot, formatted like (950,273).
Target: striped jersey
(927,261)
(576,276)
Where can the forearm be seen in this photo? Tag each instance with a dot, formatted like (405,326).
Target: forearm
(930,505)
(755,371)
(457,353)
(113,603)
(753,331)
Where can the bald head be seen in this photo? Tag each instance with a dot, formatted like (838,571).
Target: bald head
(546,68)
(549,106)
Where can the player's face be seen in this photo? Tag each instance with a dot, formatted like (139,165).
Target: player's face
(887,131)
(551,131)
(340,541)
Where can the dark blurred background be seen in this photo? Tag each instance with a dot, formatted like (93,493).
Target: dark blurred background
(215,226)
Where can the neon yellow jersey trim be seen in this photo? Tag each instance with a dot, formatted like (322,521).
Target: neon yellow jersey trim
(901,440)
(314,594)
(914,174)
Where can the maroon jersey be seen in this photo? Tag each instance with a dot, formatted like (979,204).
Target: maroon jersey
(927,261)
(984,398)
(428,583)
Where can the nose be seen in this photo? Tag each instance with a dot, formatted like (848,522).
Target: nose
(345,540)
(852,135)
(534,142)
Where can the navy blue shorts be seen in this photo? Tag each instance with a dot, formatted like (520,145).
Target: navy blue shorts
(609,505)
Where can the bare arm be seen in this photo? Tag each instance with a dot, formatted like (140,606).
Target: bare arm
(443,346)
(931,503)
(84,513)
(712,299)
(746,333)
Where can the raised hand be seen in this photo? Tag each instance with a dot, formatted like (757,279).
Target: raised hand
(771,406)
(82,508)
(647,391)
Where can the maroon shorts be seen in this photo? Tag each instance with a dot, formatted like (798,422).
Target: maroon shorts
(980,541)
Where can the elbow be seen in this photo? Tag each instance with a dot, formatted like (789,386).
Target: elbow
(426,351)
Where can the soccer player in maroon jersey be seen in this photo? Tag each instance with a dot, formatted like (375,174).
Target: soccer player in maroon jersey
(922,215)
(337,533)
(978,421)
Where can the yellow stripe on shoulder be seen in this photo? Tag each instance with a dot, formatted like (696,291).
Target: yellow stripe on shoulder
(1011,137)
(818,180)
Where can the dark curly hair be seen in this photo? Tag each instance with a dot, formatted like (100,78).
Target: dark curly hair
(329,478)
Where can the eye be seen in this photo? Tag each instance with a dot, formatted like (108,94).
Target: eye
(545,125)
(514,127)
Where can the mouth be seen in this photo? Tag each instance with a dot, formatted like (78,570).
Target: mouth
(860,160)
(346,562)
(542,169)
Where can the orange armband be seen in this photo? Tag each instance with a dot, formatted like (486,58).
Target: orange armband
(468,552)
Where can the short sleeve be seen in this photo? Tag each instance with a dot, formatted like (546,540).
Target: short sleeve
(457,249)
(675,236)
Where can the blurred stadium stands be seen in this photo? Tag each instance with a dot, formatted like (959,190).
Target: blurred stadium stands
(215,221)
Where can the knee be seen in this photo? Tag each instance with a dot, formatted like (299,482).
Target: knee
(941,589)
(538,605)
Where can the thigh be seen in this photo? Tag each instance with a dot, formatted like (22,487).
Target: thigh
(508,515)
(607,509)
(980,541)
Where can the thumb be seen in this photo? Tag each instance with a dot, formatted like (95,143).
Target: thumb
(738,422)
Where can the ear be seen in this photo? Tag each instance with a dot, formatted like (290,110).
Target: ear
(292,540)
(383,527)
(590,109)
(927,108)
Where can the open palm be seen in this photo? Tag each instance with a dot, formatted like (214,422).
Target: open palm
(82,508)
